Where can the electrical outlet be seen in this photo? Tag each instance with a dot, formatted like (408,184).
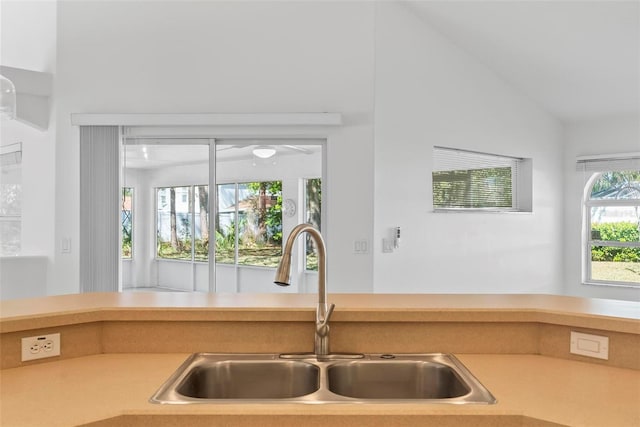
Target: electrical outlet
(40,347)
(589,345)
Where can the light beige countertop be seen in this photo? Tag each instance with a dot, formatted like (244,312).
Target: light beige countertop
(90,389)
(23,314)
(118,348)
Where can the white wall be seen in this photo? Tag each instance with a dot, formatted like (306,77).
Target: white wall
(429,92)
(23,277)
(605,136)
(28,35)
(182,57)
(28,41)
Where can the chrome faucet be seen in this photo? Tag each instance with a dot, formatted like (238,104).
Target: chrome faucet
(283,273)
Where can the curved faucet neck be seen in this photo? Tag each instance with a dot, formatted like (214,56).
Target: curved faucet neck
(323,310)
(322,257)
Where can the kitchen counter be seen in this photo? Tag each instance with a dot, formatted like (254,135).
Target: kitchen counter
(21,314)
(128,344)
(531,391)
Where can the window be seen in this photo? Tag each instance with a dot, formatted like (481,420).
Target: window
(612,217)
(126,221)
(312,214)
(249,223)
(468,180)
(173,221)
(178,219)
(11,199)
(201,222)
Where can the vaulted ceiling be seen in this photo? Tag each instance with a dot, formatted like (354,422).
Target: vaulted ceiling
(578,60)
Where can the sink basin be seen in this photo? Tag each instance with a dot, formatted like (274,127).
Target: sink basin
(207,377)
(240,379)
(396,380)
(270,378)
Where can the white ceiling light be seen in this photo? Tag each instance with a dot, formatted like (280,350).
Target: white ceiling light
(264,151)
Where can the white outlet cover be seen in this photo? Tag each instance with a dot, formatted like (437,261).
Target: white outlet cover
(590,345)
(40,347)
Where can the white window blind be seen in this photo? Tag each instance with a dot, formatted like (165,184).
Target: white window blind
(11,155)
(611,162)
(470,180)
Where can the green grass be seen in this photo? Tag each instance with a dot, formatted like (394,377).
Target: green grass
(616,271)
(265,256)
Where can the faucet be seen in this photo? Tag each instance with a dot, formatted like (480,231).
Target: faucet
(283,273)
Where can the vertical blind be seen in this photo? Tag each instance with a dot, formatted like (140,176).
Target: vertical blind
(464,179)
(99,209)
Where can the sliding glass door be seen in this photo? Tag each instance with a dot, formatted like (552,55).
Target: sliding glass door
(187,201)
(165,214)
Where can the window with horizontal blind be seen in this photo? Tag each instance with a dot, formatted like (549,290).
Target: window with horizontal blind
(469,180)
(11,199)
(611,220)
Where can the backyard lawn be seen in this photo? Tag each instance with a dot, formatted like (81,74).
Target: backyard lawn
(616,271)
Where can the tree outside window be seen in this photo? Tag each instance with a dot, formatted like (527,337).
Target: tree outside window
(250,219)
(126,222)
(248,223)
(313,215)
(201,222)
(173,221)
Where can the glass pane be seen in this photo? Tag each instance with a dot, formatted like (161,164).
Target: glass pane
(201,208)
(11,211)
(260,223)
(174,223)
(127,222)
(249,222)
(10,230)
(615,223)
(313,214)
(473,188)
(165,176)
(617,185)
(226,224)
(613,264)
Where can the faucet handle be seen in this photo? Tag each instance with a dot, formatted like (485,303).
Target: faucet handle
(322,325)
(328,315)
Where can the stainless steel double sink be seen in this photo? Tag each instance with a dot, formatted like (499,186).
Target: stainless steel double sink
(273,378)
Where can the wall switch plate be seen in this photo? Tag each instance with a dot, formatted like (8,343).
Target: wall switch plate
(65,245)
(361,247)
(590,345)
(40,347)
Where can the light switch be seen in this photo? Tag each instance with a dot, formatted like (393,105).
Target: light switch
(387,245)
(65,245)
(361,246)
(590,345)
